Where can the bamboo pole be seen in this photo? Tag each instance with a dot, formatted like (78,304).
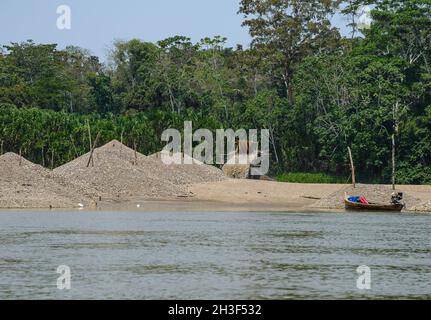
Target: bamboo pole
(352,167)
(92,150)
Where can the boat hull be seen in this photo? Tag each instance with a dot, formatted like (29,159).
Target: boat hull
(372,207)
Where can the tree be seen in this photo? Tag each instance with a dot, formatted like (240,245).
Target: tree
(175,61)
(135,74)
(402,29)
(81,68)
(287,31)
(35,73)
(40,75)
(354,9)
(101,97)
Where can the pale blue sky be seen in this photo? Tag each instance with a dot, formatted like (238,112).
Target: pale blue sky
(96,23)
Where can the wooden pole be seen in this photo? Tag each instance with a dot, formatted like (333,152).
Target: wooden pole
(92,150)
(20,157)
(352,167)
(89,140)
(136,154)
(52,159)
(393,162)
(396,129)
(121,140)
(74,146)
(43,156)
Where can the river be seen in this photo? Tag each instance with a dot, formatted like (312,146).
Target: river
(180,255)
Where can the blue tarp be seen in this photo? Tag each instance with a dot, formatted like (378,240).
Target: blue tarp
(354,199)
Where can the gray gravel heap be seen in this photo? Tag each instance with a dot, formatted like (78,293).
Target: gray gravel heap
(374,193)
(24,184)
(119,172)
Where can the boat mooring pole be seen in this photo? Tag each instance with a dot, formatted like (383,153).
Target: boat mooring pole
(393,162)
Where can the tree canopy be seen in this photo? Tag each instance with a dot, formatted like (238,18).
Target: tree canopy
(316,91)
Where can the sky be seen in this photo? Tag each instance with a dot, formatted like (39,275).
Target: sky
(95,24)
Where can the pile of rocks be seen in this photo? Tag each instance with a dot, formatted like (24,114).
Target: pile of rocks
(27,185)
(117,171)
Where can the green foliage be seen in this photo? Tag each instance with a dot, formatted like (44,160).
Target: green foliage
(286,31)
(53,138)
(316,93)
(306,177)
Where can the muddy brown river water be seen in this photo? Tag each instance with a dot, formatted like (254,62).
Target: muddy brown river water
(180,255)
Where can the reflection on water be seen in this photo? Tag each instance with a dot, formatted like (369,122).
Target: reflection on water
(137,255)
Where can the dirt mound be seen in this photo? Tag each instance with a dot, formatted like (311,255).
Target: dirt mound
(119,172)
(374,193)
(115,172)
(13,161)
(24,184)
(184,173)
(106,154)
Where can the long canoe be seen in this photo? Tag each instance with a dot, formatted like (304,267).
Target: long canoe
(372,206)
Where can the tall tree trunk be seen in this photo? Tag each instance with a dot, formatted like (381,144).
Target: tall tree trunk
(287,79)
(271,131)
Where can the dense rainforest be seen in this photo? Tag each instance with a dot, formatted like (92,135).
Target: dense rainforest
(316,91)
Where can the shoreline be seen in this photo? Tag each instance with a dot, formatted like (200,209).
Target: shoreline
(236,196)
(122,179)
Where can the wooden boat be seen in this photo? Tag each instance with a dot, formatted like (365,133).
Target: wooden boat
(372,206)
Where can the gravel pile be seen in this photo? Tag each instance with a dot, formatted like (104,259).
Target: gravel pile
(27,185)
(180,174)
(237,171)
(423,207)
(118,172)
(374,193)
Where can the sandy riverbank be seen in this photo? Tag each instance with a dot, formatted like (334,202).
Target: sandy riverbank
(253,196)
(268,194)
(245,195)
(118,178)
(275,196)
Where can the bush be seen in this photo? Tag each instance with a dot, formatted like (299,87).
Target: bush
(304,177)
